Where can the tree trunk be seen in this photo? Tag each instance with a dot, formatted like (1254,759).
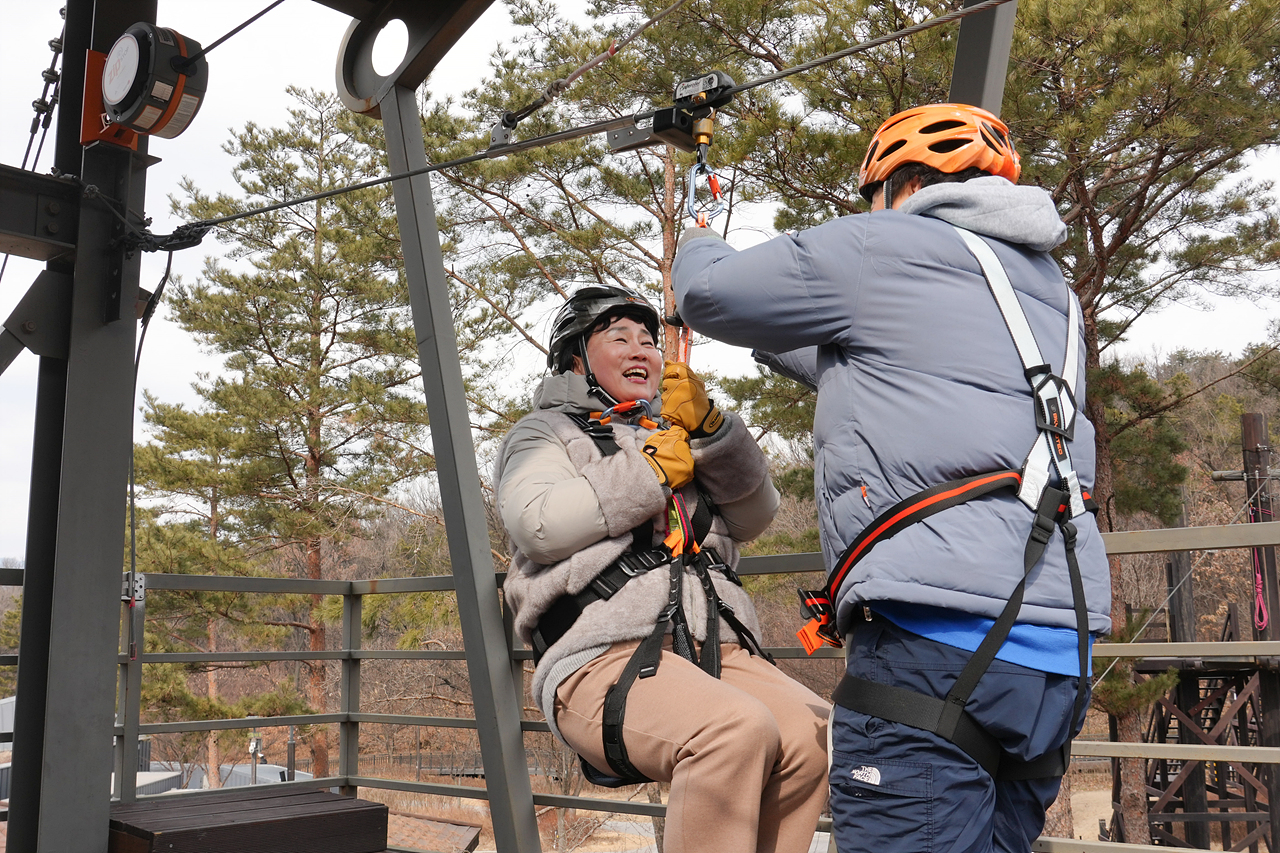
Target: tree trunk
(214,753)
(1133,782)
(654,791)
(1059,821)
(669,206)
(319,694)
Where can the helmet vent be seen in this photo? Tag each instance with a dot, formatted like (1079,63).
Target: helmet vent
(995,133)
(991,143)
(892,148)
(940,126)
(946,146)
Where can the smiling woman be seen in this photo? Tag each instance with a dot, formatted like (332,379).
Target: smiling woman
(624,358)
(625,532)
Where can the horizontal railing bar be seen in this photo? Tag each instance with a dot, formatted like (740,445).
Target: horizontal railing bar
(256,722)
(316,719)
(1231,649)
(384,586)
(227,657)
(777,564)
(797,653)
(1045,844)
(411,720)
(406,654)
(219,793)
(1178,751)
(8,660)
(1209,538)
(1209,817)
(589,804)
(534,726)
(330,654)
(419,787)
(298,586)
(235,583)
(11,577)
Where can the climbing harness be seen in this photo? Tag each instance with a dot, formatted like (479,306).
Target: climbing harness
(680,551)
(1053,509)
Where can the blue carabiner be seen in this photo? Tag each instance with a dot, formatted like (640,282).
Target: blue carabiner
(703,218)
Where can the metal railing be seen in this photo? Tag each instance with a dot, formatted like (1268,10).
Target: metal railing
(349,717)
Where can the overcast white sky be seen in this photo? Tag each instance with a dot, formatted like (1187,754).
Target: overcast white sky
(297,44)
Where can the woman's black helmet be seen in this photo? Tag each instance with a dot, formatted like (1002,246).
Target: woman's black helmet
(584,309)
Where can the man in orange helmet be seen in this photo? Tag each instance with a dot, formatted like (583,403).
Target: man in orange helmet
(952,465)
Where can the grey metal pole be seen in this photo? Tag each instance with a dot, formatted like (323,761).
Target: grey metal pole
(1182,629)
(497,704)
(349,731)
(130,699)
(1257,480)
(66,758)
(982,57)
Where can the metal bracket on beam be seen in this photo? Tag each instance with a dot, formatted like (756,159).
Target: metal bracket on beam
(10,348)
(39,214)
(42,320)
(433,29)
(133,587)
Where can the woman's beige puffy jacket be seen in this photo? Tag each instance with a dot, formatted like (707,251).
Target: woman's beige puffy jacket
(570,510)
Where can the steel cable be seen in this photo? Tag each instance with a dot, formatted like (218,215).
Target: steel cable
(44,106)
(610,124)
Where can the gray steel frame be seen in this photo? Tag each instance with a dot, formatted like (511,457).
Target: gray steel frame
(83,437)
(62,758)
(982,57)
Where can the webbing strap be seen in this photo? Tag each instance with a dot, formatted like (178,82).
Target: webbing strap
(947,717)
(643,664)
(916,508)
(1006,299)
(1054,401)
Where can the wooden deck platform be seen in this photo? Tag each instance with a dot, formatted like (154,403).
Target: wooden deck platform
(261,819)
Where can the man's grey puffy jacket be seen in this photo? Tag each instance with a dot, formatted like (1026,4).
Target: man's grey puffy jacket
(889,317)
(569,511)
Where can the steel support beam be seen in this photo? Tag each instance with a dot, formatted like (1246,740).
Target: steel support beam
(349,685)
(66,687)
(982,57)
(497,703)
(39,214)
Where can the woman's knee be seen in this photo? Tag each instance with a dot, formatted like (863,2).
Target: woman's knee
(744,725)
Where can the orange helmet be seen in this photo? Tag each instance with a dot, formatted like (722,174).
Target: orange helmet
(948,137)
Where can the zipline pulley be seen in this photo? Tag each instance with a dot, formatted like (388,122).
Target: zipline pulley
(695,98)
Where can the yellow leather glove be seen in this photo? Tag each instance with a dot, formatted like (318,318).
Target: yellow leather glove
(685,402)
(667,452)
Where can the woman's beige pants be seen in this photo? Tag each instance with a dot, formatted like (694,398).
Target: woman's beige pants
(745,754)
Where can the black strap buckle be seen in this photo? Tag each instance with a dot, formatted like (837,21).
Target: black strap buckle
(637,563)
(1053,419)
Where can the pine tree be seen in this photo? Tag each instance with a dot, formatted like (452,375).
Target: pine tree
(320,374)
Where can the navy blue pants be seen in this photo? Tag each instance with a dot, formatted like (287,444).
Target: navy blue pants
(897,789)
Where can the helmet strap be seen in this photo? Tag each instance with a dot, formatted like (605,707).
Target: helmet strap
(593,386)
